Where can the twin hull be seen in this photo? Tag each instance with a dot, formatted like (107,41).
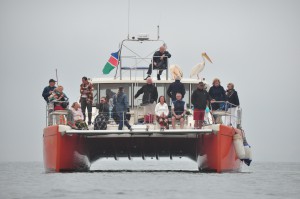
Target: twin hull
(75,152)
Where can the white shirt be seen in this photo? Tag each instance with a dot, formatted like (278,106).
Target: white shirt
(159,109)
(77,114)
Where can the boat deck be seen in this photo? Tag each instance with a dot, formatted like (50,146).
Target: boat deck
(151,133)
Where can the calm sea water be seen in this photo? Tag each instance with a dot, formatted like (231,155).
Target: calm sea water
(150,179)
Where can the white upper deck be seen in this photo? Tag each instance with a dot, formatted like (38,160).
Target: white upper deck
(127,80)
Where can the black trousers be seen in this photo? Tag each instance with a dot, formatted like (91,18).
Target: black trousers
(88,106)
(160,66)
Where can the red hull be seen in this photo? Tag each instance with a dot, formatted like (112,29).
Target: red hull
(212,152)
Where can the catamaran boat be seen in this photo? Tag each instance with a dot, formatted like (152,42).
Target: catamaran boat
(217,147)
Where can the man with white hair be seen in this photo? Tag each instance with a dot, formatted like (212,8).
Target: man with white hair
(160,61)
(149,98)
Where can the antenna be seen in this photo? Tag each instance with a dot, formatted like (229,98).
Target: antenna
(56,76)
(128,17)
(157,32)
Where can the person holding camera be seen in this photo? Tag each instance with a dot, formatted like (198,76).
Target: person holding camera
(150,96)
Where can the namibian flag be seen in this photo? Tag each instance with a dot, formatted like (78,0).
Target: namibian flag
(112,63)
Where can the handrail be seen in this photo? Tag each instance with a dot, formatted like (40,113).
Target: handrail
(230,111)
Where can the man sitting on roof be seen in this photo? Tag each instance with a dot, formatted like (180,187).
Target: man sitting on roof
(178,110)
(160,61)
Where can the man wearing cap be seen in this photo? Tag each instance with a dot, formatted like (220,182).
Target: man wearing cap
(176,87)
(121,103)
(48,90)
(200,99)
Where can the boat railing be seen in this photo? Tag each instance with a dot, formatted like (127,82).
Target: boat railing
(54,116)
(226,113)
(222,112)
(136,66)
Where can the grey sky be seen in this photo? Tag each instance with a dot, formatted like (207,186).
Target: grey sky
(254,44)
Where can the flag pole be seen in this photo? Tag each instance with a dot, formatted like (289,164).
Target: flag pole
(56,76)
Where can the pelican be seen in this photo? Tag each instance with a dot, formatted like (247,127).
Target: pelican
(175,71)
(199,67)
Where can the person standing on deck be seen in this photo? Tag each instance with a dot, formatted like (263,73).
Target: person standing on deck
(121,103)
(86,98)
(160,61)
(48,90)
(149,98)
(176,87)
(200,99)
(234,101)
(217,93)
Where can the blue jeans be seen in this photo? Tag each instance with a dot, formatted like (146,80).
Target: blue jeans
(121,116)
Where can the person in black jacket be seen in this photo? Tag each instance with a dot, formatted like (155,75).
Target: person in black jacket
(217,93)
(149,98)
(103,108)
(233,99)
(176,87)
(48,90)
(232,95)
(200,99)
(160,62)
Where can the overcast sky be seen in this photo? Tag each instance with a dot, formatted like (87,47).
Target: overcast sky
(254,44)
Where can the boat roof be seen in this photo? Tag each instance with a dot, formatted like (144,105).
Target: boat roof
(126,80)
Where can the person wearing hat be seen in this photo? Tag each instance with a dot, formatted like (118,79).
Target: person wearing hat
(48,90)
(200,99)
(176,87)
(120,101)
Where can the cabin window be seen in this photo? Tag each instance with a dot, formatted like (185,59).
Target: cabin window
(95,95)
(107,88)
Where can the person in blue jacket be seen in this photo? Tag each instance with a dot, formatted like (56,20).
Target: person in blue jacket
(121,103)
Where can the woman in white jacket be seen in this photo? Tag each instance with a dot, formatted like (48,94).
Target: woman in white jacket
(162,112)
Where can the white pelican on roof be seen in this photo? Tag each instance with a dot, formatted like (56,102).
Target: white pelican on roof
(199,67)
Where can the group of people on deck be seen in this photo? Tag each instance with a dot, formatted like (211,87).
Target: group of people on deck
(154,106)
(58,100)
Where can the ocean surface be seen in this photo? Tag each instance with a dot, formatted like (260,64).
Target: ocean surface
(150,179)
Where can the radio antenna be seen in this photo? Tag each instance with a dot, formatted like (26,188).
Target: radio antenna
(128,18)
(56,76)
(157,32)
